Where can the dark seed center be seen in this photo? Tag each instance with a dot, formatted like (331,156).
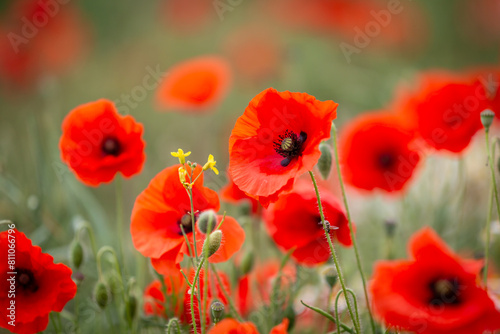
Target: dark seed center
(386,160)
(111,146)
(445,292)
(290,146)
(26,280)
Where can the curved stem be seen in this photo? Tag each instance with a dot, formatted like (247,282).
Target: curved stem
(353,238)
(329,317)
(110,250)
(86,226)
(334,255)
(346,297)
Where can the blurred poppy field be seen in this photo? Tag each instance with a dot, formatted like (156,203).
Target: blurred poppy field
(232,166)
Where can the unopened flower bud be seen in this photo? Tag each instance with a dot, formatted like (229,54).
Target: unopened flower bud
(207,221)
(487,117)
(247,263)
(331,276)
(76,254)
(101,294)
(325,160)
(212,243)
(173,326)
(390,228)
(130,308)
(217,311)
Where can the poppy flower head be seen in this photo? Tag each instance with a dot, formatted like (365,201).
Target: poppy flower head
(41,285)
(194,85)
(294,221)
(231,326)
(434,292)
(377,152)
(275,140)
(97,143)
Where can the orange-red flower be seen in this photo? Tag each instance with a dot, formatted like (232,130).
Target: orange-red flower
(164,206)
(97,143)
(434,292)
(294,221)
(275,140)
(231,326)
(37,285)
(445,109)
(194,85)
(231,193)
(377,151)
(187,16)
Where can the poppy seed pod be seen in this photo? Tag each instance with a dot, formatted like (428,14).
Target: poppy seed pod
(487,117)
(325,160)
(331,276)
(217,311)
(212,243)
(206,221)
(101,294)
(76,254)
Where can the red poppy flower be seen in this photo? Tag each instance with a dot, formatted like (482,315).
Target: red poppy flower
(231,193)
(445,109)
(275,140)
(281,328)
(41,37)
(179,292)
(231,326)
(194,85)
(376,151)
(160,210)
(187,16)
(434,292)
(488,80)
(294,221)
(40,286)
(97,143)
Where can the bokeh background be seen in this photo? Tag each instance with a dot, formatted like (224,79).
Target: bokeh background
(104,49)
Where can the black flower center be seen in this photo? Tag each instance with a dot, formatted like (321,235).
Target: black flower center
(186,223)
(26,280)
(111,146)
(290,146)
(445,292)
(386,160)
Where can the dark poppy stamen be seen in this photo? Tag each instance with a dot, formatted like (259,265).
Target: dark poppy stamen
(445,292)
(186,222)
(26,280)
(111,146)
(386,160)
(290,146)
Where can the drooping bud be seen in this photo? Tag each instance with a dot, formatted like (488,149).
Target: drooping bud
(212,243)
(130,308)
(487,117)
(76,254)
(173,327)
(331,276)
(325,160)
(217,311)
(247,263)
(207,221)
(101,294)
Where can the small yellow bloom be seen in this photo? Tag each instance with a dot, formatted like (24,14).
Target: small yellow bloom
(182,177)
(211,164)
(181,155)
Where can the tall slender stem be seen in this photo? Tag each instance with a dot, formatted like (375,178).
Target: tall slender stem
(193,222)
(495,190)
(334,256)
(119,217)
(226,295)
(193,288)
(353,237)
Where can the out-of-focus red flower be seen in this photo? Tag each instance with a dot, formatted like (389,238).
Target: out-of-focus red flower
(262,279)
(445,109)
(40,285)
(434,292)
(40,37)
(163,207)
(231,193)
(294,221)
(281,328)
(479,20)
(194,85)
(276,140)
(489,80)
(377,152)
(97,143)
(187,16)
(254,52)
(231,326)
(179,292)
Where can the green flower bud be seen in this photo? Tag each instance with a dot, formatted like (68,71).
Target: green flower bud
(331,276)
(487,117)
(76,254)
(207,221)
(212,243)
(290,315)
(130,308)
(101,294)
(325,160)
(390,228)
(217,311)
(247,263)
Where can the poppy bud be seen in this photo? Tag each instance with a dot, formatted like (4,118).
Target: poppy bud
(331,276)
(173,327)
(487,117)
(247,263)
(212,243)
(101,294)
(325,160)
(76,254)
(130,308)
(217,311)
(390,228)
(206,221)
